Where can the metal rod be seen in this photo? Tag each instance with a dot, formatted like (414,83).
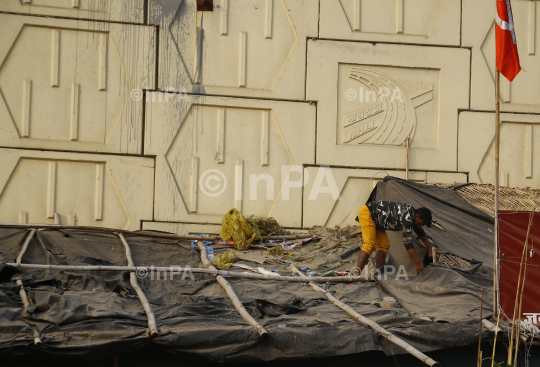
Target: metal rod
(152,325)
(355,315)
(141,234)
(230,293)
(232,274)
(496,225)
(22,292)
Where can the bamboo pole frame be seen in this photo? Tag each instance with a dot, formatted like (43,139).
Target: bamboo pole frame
(230,292)
(495,216)
(141,234)
(152,325)
(516,303)
(495,338)
(479,360)
(232,274)
(22,292)
(355,315)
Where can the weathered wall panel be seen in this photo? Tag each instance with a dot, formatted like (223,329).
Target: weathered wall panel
(126,11)
(519,148)
(321,208)
(215,153)
(248,48)
(69,85)
(422,90)
(523,94)
(432,22)
(85,189)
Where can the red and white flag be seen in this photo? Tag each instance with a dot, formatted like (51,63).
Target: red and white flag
(505,38)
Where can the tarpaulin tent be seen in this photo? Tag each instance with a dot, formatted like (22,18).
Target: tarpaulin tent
(91,312)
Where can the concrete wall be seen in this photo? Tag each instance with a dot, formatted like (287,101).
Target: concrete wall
(151,114)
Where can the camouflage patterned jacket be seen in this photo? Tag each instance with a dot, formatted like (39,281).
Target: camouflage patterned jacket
(393,216)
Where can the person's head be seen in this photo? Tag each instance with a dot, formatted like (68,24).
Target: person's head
(422,217)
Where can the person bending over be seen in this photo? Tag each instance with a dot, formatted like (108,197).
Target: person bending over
(376,217)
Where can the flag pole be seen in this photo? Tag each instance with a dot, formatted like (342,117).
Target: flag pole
(497,141)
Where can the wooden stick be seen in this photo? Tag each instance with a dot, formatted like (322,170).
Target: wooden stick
(152,326)
(22,292)
(57,218)
(25,245)
(517,290)
(232,274)
(518,332)
(355,315)
(434,254)
(496,223)
(230,292)
(479,360)
(495,339)
(141,234)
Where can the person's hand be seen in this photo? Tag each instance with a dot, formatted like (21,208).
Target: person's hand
(419,267)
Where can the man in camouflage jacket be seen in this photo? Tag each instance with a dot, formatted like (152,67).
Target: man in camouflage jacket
(376,217)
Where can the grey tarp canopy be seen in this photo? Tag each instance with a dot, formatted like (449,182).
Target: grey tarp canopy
(98,313)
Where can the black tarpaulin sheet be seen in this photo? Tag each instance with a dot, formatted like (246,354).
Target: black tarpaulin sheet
(443,294)
(97,314)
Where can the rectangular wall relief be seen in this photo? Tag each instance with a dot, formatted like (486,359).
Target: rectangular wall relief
(330,193)
(127,11)
(248,48)
(519,148)
(256,165)
(523,93)
(375,100)
(86,189)
(430,22)
(74,85)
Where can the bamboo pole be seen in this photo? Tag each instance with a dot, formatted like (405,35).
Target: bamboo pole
(355,315)
(479,359)
(495,339)
(25,246)
(523,253)
(230,292)
(495,216)
(519,312)
(152,326)
(22,292)
(141,234)
(232,274)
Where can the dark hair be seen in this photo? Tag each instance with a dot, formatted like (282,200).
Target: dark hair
(424,214)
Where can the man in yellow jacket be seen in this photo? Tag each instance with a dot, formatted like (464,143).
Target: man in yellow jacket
(376,217)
